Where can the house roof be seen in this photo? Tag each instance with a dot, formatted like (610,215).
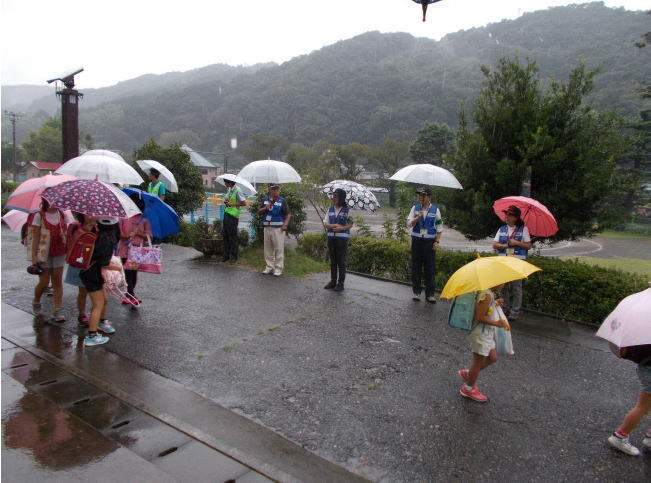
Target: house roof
(197,159)
(46,166)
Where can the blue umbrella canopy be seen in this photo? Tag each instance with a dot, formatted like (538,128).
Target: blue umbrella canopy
(162,217)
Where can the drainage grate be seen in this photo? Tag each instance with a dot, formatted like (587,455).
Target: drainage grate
(167,451)
(119,425)
(47,383)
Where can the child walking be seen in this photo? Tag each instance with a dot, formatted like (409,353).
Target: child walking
(482,342)
(85,224)
(640,354)
(92,279)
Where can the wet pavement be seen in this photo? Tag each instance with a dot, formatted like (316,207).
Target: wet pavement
(366,379)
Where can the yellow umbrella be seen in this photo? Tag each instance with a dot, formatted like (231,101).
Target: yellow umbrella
(486,272)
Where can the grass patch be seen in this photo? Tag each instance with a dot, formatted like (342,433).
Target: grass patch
(622,234)
(372,387)
(296,264)
(228,348)
(632,265)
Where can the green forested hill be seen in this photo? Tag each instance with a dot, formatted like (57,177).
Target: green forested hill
(377,85)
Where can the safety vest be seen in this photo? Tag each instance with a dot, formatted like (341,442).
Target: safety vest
(518,252)
(338,219)
(231,195)
(153,188)
(273,217)
(425,228)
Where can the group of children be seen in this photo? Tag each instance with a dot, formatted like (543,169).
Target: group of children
(50,241)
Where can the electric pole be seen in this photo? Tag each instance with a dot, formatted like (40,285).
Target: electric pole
(13,117)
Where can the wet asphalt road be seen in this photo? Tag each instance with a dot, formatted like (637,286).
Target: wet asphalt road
(367,378)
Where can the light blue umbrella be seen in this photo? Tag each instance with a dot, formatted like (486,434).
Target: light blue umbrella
(162,217)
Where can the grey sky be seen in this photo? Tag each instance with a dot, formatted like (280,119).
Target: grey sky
(122,39)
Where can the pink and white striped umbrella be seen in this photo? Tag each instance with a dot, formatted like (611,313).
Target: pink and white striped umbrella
(27,197)
(630,323)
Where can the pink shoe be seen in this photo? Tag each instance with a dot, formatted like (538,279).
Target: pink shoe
(474,394)
(463,374)
(83,320)
(126,301)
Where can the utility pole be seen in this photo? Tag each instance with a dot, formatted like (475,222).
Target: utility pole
(13,117)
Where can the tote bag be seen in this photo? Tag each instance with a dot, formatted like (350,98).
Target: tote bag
(144,258)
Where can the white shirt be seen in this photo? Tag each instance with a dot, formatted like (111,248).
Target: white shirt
(526,238)
(439,220)
(52,218)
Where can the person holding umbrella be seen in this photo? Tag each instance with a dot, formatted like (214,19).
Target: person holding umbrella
(156,187)
(628,331)
(338,224)
(275,220)
(513,240)
(233,201)
(133,231)
(426,229)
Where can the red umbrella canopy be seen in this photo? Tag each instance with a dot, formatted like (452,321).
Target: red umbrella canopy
(535,215)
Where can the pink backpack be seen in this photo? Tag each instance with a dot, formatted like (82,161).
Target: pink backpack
(116,283)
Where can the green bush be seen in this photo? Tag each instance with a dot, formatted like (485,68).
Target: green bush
(186,235)
(566,288)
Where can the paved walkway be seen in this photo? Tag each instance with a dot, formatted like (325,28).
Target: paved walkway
(365,379)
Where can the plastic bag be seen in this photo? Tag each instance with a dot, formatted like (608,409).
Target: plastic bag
(503,341)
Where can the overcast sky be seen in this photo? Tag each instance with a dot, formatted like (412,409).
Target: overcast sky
(121,39)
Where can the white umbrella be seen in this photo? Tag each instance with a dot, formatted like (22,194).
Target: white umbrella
(166,175)
(102,167)
(104,152)
(269,171)
(239,181)
(427,174)
(357,195)
(630,323)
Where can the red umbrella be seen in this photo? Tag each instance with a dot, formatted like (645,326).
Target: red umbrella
(535,215)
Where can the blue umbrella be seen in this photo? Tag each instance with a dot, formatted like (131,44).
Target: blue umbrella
(162,217)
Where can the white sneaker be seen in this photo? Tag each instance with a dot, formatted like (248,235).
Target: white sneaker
(623,444)
(277,273)
(267,271)
(647,439)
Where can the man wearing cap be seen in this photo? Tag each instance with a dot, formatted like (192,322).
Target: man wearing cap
(512,240)
(426,229)
(275,220)
(233,201)
(156,187)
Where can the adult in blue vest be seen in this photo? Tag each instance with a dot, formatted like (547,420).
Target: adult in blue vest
(233,201)
(338,223)
(156,187)
(275,220)
(426,229)
(512,240)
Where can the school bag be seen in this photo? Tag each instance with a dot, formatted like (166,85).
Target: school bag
(115,283)
(24,230)
(462,311)
(80,249)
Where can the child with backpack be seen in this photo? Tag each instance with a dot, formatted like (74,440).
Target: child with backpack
(93,280)
(81,238)
(46,249)
(133,231)
(482,341)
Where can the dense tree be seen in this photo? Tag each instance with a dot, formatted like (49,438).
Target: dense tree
(188,177)
(435,140)
(46,144)
(8,156)
(519,127)
(266,146)
(387,159)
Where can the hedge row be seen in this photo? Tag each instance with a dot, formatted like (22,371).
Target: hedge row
(566,288)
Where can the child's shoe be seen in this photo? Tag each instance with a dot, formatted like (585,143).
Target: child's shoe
(474,394)
(82,319)
(95,340)
(57,316)
(106,327)
(463,374)
(623,444)
(647,439)
(37,309)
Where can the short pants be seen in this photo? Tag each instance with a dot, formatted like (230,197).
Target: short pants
(482,339)
(72,276)
(644,374)
(92,278)
(54,262)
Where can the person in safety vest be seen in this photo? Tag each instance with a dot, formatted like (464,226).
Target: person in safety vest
(512,240)
(426,229)
(233,201)
(338,223)
(156,187)
(275,220)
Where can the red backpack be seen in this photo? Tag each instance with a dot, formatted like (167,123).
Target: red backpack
(80,248)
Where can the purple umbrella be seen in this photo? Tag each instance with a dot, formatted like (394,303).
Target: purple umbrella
(92,198)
